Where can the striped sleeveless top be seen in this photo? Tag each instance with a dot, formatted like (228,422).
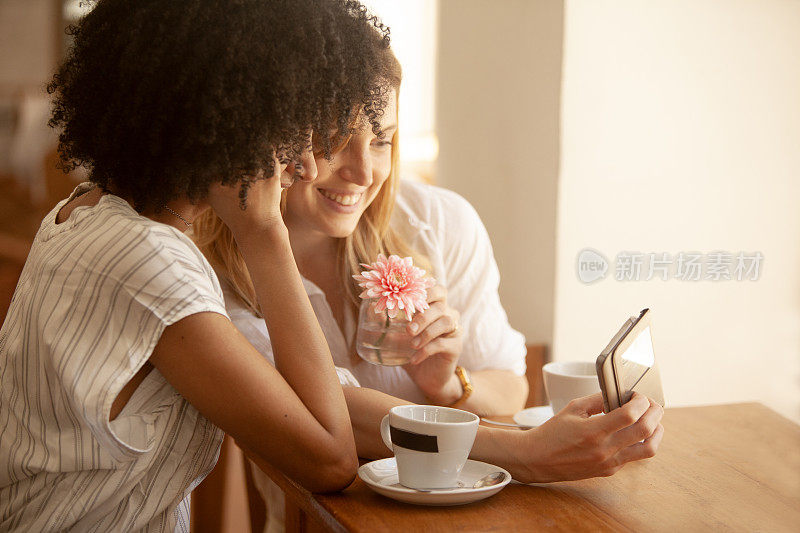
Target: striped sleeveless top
(94,297)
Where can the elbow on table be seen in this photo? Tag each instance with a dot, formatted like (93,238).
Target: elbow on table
(331,474)
(312,469)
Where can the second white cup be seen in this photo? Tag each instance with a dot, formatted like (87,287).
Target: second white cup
(567,380)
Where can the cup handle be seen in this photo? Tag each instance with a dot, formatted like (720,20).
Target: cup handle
(387,439)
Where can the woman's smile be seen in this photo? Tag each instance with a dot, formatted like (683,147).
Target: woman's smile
(342,201)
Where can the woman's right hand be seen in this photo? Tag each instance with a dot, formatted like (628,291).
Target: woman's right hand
(262,207)
(576,445)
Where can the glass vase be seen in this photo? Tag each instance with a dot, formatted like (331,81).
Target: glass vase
(382,340)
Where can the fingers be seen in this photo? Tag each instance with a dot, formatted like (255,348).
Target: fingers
(624,416)
(443,325)
(305,169)
(261,209)
(440,345)
(437,300)
(423,320)
(641,430)
(641,450)
(587,405)
(263,195)
(435,330)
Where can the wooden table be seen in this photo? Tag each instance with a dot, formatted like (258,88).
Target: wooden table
(721,468)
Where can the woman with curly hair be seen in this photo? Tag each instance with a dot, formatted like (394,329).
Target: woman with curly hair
(358,208)
(119,366)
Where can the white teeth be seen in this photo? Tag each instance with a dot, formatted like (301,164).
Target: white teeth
(343,199)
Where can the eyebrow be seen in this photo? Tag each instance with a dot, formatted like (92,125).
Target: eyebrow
(390,127)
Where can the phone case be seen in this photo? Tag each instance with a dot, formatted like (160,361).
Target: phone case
(605,373)
(628,364)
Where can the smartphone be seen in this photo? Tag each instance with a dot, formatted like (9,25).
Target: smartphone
(628,364)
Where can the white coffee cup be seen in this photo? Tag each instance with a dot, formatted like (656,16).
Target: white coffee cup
(430,443)
(567,380)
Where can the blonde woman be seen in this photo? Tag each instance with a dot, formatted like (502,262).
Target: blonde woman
(357,209)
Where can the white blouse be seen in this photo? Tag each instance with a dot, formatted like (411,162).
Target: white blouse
(446,228)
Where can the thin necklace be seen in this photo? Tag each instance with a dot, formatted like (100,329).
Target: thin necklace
(188,224)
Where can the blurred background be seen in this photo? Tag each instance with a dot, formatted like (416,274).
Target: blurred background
(667,127)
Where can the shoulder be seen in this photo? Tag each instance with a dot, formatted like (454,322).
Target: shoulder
(178,248)
(179,263)
(154,247)
(125,251)
(439,209)
(162,243)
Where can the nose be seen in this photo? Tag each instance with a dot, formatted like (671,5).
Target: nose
(306,168)
(355,164)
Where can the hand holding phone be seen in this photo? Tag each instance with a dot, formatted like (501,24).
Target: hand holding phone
(628,364)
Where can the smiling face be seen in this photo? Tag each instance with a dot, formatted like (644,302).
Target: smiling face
(345,186)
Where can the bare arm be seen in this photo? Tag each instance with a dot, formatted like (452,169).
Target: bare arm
(367,409)
(301,352)
(297,419)
(496,392)
(211,365)
(570,446)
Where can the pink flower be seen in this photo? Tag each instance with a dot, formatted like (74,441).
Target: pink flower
(396,284)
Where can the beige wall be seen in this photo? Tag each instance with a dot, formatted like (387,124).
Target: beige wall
(499,76)
(681,132)
(28,43)
(28,53)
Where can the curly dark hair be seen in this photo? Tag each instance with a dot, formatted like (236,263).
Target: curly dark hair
(162,99)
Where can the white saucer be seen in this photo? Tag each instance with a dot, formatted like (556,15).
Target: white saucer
(381,476)
(534,416)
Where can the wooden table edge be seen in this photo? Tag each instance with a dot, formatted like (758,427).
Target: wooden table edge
(299,499)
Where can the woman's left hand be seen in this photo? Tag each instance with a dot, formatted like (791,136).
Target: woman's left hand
(439,344)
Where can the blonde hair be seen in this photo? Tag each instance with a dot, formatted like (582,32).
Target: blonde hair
(373,235)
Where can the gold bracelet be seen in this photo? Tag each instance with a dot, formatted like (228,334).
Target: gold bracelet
(466,386)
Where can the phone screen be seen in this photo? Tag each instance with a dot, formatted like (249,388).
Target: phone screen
(634,363)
